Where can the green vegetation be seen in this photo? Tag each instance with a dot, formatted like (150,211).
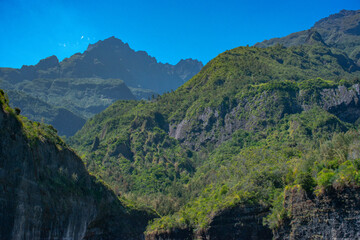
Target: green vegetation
(34,131)
(256,171)
(85,96)
(64,179)
(139,156)
(60,186)
(66,122)
(251,124)
(85,84)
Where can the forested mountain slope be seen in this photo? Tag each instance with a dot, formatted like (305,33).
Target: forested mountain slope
(249,125)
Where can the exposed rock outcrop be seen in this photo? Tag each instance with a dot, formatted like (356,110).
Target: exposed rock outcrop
(175,234)
(332,215)
(218,124)
(239,222)
(242,222)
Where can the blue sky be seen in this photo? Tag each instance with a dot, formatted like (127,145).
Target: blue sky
(168,30)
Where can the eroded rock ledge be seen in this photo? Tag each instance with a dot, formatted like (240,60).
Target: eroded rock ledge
(240,222)
(332,215)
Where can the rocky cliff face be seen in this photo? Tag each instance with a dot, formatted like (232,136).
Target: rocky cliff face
(46,193)
(240,222)
(216,125)
(333,215)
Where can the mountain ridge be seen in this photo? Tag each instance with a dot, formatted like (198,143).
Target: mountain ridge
(119,59)
(86,83)
(340,30)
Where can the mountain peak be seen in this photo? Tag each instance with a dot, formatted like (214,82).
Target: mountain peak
(189,61)
(111,41)
(43,64)
(314,37)
(48,62)
(111,58)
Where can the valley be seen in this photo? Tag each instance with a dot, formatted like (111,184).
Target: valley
(262,142)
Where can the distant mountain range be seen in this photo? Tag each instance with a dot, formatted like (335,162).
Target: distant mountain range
(87,83)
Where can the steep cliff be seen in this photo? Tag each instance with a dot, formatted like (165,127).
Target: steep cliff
(255,113)
(240,222)
(243,222)
(332,215)
(46,192)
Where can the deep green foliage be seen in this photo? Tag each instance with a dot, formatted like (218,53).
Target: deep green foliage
(66,122)
(276,143)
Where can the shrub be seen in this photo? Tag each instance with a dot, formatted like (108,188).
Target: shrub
(17,111)
(325,178)
(306,181)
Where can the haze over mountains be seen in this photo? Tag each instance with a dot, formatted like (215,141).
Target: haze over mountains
(87,83)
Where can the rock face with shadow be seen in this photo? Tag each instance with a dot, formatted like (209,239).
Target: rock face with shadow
(334,214)
(46,192)
(244,222)
(216,125)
